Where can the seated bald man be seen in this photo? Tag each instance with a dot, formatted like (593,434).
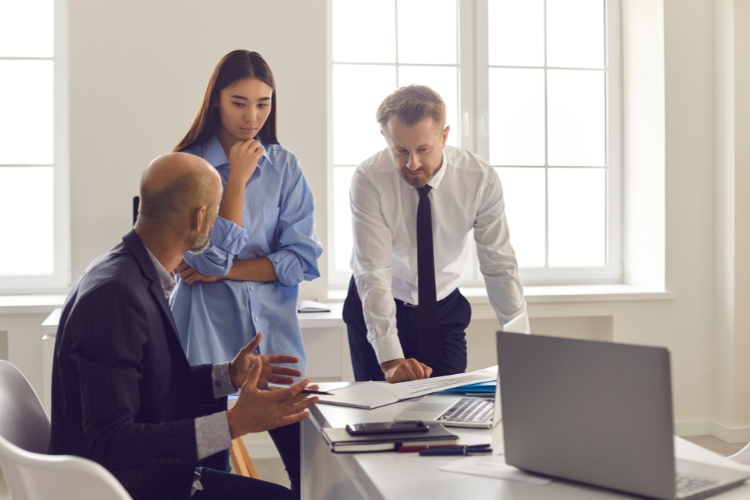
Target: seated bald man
(123,393)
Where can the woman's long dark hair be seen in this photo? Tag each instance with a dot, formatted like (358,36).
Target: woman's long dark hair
(235,66)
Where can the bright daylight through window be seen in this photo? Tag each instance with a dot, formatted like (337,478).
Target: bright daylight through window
(530,85)
(33,255)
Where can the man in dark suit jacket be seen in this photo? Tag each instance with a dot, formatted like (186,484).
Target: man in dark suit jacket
(123,393)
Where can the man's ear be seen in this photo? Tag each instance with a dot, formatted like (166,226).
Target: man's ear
(445,134)
(199,218)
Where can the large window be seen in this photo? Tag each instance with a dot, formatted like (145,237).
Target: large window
(33,147)
(531,85)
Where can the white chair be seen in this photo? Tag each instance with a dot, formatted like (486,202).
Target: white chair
(742,456)
(30,473)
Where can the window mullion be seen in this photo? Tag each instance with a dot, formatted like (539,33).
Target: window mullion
(478,73)
(473,37)
(61,148)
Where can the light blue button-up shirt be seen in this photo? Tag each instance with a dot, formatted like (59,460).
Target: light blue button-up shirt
(215,320)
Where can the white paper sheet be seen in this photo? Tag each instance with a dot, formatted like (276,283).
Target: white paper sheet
(416,388)
(375,394)
(492,466)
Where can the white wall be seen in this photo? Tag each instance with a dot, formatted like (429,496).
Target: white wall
(138,70)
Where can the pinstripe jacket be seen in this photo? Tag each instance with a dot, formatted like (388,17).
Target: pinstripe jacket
(123,393)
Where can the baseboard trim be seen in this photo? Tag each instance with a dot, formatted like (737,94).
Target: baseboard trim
(684,429)
(730,434)
(706,428)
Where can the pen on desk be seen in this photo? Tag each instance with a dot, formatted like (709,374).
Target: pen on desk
(457,450)
(311,391)
(273,387)
(410,449)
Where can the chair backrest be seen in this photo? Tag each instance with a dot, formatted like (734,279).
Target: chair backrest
(23,420)
(742,456)
(33,476)
(24,436)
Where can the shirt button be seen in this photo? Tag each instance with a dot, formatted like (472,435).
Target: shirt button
(252,288)
(256,318)
(154,461)
(162,461)
(178,460)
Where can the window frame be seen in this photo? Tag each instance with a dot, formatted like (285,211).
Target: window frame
(473,67)
(59,280)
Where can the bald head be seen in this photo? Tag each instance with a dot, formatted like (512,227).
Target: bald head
(174,185)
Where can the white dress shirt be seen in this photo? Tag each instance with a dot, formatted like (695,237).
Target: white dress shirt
(466,194)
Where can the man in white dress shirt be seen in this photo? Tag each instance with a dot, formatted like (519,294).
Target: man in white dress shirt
(381,310)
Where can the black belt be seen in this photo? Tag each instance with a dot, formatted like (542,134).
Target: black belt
(416,306)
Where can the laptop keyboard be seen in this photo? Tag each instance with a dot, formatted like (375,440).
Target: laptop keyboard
(687,484)
(477,410)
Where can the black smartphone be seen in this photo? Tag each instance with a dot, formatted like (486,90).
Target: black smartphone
(386,427)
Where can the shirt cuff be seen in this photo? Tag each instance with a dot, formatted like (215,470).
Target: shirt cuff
(228,236)
(212,434)
(221,381)
(387,347)
(286,266)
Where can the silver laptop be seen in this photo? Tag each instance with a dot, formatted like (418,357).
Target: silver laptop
(455,411)
(598,413)
(461,411)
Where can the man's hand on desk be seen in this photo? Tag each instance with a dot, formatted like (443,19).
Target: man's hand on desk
(240,366)
(401,370)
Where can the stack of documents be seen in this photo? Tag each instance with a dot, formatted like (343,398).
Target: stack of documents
(369,395)
(306,306)
(340,441)
(478,389)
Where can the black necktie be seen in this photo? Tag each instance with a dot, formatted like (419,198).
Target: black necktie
(429,338)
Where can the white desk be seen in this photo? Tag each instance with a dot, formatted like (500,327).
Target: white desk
(323,333)
(391,475)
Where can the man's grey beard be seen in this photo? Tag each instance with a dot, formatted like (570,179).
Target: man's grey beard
(199,247)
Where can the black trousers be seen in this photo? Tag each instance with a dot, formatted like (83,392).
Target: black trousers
(454,315)
(286,439)
(222,485)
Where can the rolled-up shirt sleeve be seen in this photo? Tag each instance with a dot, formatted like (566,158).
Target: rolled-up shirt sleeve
(227,240)
(298,248)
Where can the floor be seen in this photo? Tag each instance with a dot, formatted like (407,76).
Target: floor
(273,470)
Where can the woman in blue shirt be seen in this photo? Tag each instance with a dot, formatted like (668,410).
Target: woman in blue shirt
(263,242)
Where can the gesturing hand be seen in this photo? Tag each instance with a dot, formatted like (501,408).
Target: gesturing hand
(257,410)
(240,366)
(243,158)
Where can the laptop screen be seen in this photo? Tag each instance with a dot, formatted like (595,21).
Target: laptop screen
(594,412)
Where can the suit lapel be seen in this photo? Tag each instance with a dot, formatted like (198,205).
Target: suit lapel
(135,245)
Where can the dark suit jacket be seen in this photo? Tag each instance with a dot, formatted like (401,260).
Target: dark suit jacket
(123,393)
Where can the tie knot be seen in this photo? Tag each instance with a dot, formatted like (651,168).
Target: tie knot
(424,190)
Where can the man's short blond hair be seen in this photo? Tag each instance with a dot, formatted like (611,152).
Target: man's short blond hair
(412,104)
